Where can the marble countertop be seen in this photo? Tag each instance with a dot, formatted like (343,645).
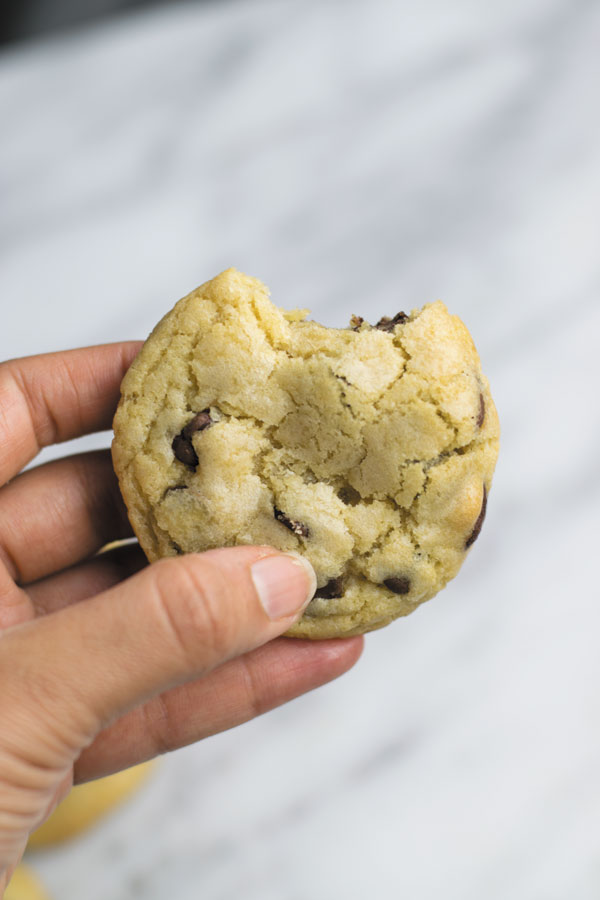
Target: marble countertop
(357,156)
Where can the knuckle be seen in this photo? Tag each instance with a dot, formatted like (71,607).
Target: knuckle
(25,395)
(190,603)
(42,716)
(253,690)
(30,771)
(47,723)
(160,725)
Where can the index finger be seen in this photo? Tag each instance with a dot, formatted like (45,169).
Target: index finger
(55,397)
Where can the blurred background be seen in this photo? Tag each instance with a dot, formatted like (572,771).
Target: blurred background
(359,157)
(33,18)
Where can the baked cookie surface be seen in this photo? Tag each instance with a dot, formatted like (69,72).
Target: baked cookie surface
(370,450)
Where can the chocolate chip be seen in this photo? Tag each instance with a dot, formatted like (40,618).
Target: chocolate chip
(297,527)
(398,584)
(478,524)
(334,588)
(200,421)
(184,451)
(182,443)
(387,324)
(349,495)
(481,415)
(356,322)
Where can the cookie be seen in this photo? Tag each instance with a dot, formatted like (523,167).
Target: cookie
(369,449)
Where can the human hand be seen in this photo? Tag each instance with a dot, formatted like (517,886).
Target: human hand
(104,660)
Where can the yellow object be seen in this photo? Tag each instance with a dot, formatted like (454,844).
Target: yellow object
(86,804)
(24,886)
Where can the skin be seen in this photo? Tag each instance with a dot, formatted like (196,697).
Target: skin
(105,661)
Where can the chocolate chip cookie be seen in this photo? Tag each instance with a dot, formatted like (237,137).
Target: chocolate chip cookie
(368,449)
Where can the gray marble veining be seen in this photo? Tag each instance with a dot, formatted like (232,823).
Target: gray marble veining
(359,157)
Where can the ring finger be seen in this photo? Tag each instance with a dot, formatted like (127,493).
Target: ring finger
(86,579)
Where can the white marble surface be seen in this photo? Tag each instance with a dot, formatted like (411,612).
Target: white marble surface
(358,156)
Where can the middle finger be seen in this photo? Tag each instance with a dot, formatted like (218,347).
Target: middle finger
(59,513)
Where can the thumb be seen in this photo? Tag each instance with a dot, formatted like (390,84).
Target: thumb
(66,676)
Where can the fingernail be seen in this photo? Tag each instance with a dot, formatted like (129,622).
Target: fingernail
(285,584)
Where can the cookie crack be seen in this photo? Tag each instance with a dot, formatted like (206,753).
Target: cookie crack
(194,385)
